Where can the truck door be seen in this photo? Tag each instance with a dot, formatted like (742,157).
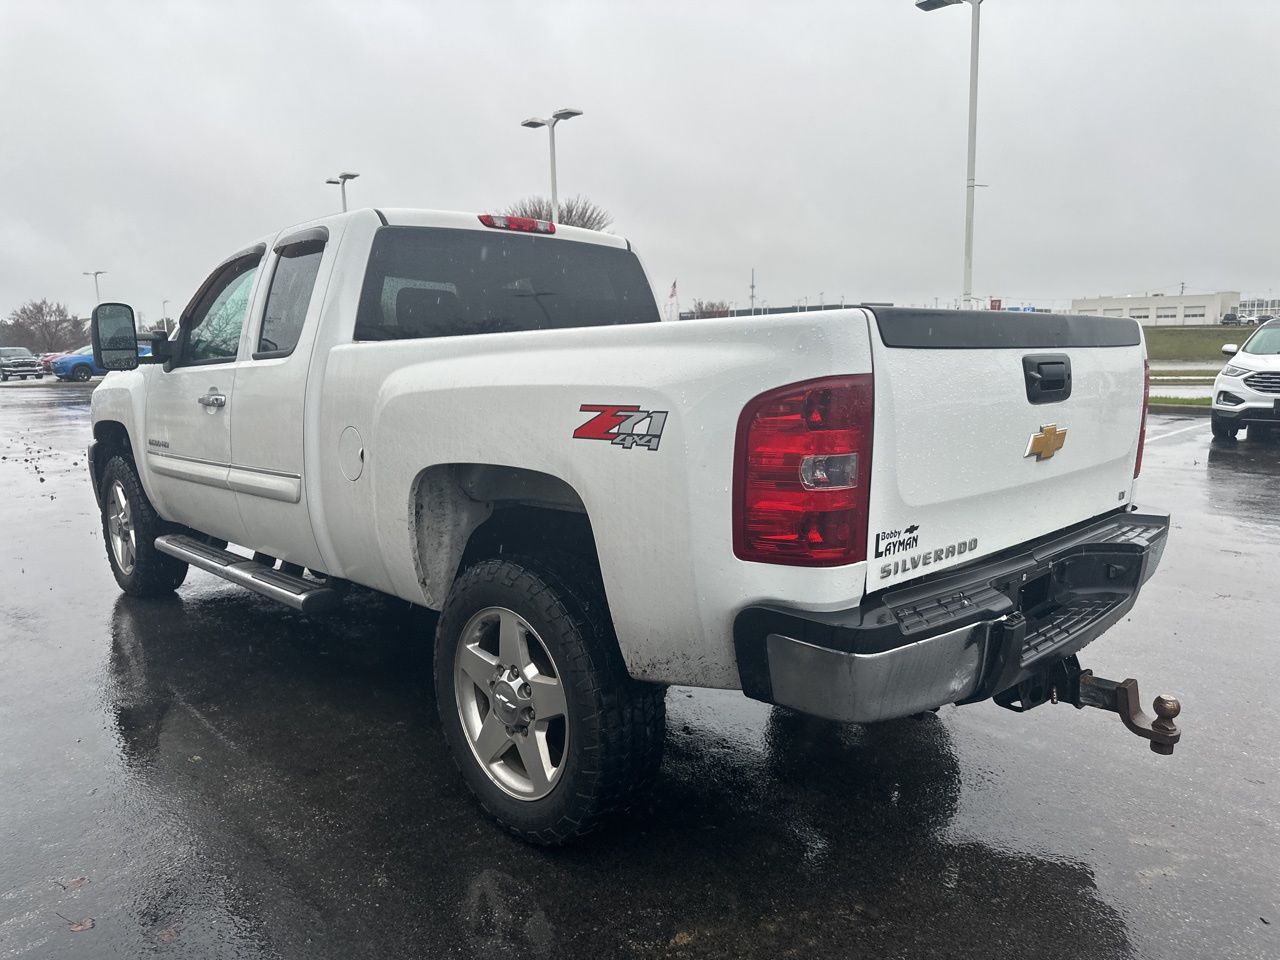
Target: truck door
(190,405)
(267,431)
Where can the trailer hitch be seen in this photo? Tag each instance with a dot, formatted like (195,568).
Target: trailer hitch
(1065,682)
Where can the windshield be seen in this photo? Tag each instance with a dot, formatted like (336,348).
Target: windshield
(14,352)
(1264,341)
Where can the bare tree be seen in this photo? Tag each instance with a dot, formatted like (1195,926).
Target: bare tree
(43,327)
(710,308)
(574,212)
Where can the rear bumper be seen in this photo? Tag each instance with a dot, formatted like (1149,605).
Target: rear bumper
(959,637)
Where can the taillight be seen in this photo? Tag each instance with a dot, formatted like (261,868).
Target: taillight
(523,224)
(1146,402)
(802,473)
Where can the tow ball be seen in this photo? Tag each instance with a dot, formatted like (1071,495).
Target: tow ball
(1065,682)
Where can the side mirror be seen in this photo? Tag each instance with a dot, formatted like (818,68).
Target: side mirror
(1230,349)
(115,336)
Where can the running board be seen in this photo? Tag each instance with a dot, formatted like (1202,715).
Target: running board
(293,591)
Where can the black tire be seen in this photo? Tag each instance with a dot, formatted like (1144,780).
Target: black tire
(39,376)
(615,725)
(153,573)
(81,373)
(1223,429)
(4,378)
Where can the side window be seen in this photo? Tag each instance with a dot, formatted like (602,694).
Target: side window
(215,323)
(291,286)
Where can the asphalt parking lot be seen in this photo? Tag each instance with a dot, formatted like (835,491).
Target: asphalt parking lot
(217,776)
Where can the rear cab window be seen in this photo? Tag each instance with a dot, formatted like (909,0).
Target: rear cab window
(293,281)
(439,282)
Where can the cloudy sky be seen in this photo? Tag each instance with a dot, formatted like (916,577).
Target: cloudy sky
(1130,145)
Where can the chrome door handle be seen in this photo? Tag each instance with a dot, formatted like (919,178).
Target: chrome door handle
(213,400)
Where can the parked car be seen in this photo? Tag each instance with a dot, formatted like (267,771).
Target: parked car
(1247,391)
(1231,319)
(600,504)
(79,364)
(19,363)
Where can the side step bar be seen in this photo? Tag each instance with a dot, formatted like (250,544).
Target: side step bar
(293,591)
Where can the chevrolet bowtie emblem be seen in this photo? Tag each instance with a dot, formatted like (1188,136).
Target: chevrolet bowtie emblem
(1046,443)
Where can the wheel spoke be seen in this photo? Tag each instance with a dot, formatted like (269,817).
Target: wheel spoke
(536,764)
(548,697)
(121,503)
(477,665)
(513,648)
(492,741)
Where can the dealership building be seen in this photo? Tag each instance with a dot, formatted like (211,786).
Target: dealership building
(1188,309)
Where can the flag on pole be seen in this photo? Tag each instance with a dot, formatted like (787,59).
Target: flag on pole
(673,290)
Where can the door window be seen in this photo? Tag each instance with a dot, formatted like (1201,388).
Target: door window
(215,322)
(287,300)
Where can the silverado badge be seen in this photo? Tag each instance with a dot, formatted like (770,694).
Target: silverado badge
(1046,443)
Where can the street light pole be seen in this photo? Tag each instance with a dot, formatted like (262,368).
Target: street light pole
(564,113)
(97,297)
(340,181)
(971,182)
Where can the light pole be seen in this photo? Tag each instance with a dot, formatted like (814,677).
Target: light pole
(97,297)
(971,181)
(564,113)
(340,181)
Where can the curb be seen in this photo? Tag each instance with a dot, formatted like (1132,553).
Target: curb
(1182,409)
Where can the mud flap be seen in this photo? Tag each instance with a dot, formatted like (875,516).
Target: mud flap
(1065,682)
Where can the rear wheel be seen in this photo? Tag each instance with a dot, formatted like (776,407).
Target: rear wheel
(130,526)
(549,731)
(1223,428)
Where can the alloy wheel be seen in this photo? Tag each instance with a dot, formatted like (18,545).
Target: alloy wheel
(511,702)
(124,543)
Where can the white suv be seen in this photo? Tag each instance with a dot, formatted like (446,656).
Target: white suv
(1247,391)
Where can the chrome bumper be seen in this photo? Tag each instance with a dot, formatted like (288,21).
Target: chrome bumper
(959,637)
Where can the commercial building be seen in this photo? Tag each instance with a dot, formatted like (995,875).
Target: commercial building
(1190,309)
(1258,307)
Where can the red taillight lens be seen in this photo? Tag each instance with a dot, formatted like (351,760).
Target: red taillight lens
(522,224)
(802,474)
(1146,402)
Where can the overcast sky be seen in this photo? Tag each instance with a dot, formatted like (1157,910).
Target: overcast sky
(1130,145)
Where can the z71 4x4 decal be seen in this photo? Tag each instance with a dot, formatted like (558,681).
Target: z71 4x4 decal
(623,425)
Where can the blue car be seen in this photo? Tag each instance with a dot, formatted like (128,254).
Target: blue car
(79,365)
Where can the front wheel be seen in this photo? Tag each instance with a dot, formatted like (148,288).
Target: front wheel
(1223,429)
(81,373)
(130,526)
(547,728)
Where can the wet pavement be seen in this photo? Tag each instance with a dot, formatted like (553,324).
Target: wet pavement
(217,776)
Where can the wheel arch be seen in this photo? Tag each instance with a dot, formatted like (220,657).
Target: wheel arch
(465,512)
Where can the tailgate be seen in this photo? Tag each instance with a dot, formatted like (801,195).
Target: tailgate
(964,463)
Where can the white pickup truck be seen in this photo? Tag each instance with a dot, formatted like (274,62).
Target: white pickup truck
(861,514)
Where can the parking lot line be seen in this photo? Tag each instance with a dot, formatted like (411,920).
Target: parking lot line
(1174,433)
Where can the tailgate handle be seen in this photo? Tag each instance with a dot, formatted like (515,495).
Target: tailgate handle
(1048,377)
